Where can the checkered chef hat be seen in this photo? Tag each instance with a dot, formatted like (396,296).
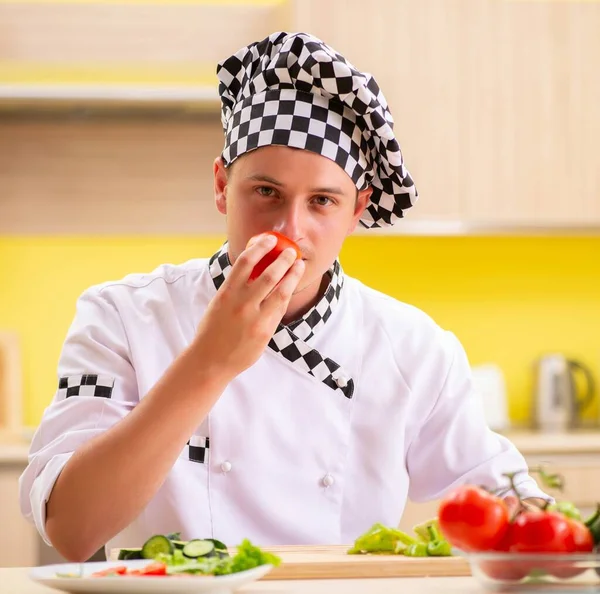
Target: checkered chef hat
(294,90)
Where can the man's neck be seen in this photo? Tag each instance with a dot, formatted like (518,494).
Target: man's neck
(304,300)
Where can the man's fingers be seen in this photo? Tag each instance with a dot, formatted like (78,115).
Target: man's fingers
(277,301)
(273,274)
(249,258)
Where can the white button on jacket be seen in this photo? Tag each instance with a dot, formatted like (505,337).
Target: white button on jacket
(400,421)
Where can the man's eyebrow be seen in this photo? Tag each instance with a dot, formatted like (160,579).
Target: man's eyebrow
(265,178)
(271,180)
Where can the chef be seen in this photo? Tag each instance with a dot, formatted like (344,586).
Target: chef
(296,408)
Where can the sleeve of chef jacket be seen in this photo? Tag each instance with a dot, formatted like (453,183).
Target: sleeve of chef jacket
(95,345)
(455,445)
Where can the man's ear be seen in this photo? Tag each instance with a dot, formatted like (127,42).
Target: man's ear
(220,183)
(362,201)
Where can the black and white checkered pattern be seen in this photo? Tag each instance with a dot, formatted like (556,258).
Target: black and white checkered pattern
(291,341)
(85,385)
(297,351)
(314,319)
(198,449)
(294,90)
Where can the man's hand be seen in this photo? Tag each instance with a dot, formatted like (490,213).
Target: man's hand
(242,317)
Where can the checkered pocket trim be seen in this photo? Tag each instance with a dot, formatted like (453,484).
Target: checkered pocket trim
(311,361)
(90,385)
(198,449)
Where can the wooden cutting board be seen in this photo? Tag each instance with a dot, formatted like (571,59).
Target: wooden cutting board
(322,562)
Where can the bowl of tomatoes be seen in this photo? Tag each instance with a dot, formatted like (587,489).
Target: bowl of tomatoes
(519,545)
(536,572)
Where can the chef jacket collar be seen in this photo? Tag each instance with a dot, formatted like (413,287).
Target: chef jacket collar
(290,341)
(316,317)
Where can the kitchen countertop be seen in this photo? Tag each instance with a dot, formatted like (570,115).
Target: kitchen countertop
(14,449)
(575,442)
(16,580)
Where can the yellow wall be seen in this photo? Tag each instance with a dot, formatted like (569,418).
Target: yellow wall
(507,298)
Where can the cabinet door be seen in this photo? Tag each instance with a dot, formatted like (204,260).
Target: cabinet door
(164,42)
(413,50)
(109,177)
(496,104)
(581,473)
(19,545)
(531,133)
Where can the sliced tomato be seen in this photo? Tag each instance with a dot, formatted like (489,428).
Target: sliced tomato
(283,242)
(119,570)
(155,568)
(472,519)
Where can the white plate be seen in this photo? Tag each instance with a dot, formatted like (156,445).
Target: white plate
(193,584)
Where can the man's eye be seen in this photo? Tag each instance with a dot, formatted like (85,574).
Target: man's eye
(265,191)
(323,200)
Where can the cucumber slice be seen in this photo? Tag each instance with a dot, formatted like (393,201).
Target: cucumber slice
(127,554)
(198,548)
(218,544)
(221,553)
(155,545)
(179,544)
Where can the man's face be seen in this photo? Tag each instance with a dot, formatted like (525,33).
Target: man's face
(303,195)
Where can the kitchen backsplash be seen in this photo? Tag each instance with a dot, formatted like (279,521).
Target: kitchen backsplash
(508,299)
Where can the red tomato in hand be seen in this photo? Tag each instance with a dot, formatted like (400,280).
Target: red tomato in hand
(283,242)
(542,532)
(472,519)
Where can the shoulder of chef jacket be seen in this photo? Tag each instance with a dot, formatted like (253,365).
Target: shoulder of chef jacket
(330,431)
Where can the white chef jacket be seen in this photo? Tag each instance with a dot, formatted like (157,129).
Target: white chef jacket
(362,403)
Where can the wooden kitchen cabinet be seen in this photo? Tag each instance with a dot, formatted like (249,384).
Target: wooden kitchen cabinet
(19,544)
(83,41)
(496,104)
(109,177)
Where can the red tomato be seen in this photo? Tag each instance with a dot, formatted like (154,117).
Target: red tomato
(155,568)
(473,519)
(542,532)
(119,570)
(283,242)
(505,570)
(584,543)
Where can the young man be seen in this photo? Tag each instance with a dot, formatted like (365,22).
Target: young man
(300,407)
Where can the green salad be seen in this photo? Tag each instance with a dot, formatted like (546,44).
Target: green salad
(169,555)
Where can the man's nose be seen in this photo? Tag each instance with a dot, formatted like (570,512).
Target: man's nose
(290,221)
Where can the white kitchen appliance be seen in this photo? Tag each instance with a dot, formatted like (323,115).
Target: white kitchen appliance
(490,386)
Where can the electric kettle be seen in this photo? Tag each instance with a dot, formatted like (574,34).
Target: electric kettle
(557,405)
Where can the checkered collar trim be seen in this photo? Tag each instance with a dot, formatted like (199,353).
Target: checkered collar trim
(311,321)
(291,341)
